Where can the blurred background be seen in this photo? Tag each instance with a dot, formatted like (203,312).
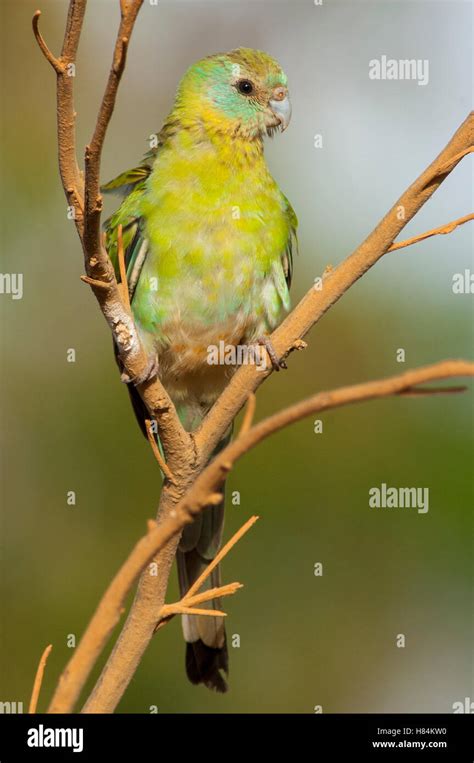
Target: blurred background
(304,640)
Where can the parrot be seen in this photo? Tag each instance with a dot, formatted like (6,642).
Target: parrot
(208,242)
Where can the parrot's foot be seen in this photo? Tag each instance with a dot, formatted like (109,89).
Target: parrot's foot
(264,341)
(149,373)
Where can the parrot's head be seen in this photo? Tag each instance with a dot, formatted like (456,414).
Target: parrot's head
(244,92)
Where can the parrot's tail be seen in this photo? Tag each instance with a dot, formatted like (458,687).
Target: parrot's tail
(207,659)
(206,649)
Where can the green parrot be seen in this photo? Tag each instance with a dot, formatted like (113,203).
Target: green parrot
(208,239)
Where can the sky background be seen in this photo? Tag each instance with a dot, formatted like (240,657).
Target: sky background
(304,640)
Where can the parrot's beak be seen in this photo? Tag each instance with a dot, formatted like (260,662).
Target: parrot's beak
(281,108)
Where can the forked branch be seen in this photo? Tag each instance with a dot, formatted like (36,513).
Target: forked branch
(205,492)
(189,486)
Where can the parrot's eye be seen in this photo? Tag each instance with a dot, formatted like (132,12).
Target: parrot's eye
(245,87)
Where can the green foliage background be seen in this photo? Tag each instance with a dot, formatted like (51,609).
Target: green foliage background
(305,640)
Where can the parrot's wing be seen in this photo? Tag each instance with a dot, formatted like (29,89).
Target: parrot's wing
(132,186)
(124,183)
(282,270)
(129,180)
(291,244)
(135,245)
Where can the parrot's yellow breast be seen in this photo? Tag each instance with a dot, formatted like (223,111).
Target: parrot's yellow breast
(217,228)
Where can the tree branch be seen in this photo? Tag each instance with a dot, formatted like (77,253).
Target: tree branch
(107,615)
(65,70)
(93,198)
(110,607)
(150,596)
(55,62)
(186,606)
(186,454)
(156,452)
(192,597)
(212,478)
(316,302)
(205,492)
(442,230)
(38,680)
(86,200)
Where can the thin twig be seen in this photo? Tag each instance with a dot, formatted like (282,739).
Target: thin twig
(39,680)
(448,228)
(211,593)
(95,283)
(219,556)
(55,62)
(191,597)
(122,267)
(180,610)
(92,195)
(157,453)
(249,413)
(427,391)
(71,176)
(451,163)
(168,611)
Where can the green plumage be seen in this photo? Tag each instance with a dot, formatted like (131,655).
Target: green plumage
(208,239)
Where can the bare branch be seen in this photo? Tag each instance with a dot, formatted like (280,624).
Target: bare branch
(86,201)
(55,62)
(212,477)
(249,414)
(139,627)
(75,17)
(156,452)
(39,680)
(96,284)
(220,556)
(107,615)
(122,269)
(205,489)
(451,163)
(186,606)
(430,391)
(93,198)
(443,229)
(65,70)
(110,607)
(337,281)
(183,495)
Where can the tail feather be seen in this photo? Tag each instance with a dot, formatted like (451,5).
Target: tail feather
(206,648)
(204,665)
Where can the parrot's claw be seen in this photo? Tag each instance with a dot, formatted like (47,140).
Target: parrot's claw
(149,373)
(264,341)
